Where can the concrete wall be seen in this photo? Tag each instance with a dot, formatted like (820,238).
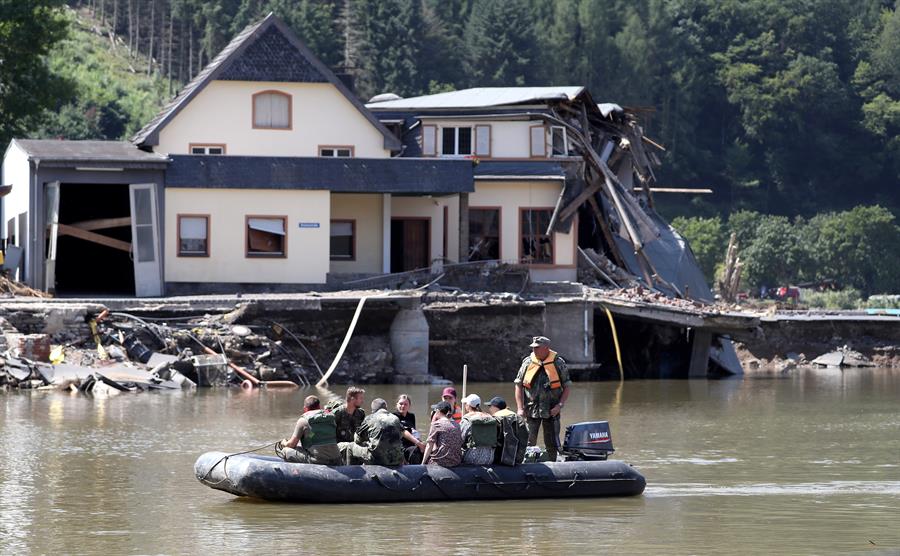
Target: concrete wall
(510,197)
(367,213)
(433,208)
(307,260)
(223,114)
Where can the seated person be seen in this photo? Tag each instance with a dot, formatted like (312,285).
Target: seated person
(349,415)
(513,439)
(479,432)
(315,432)
(412,446)
(377,440)
(444,444)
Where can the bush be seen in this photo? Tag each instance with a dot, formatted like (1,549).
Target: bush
(883,302)
(707,239)
(847,299)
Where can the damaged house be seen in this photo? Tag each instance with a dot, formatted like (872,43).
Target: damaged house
(266,173)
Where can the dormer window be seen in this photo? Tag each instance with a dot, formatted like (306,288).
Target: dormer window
(271,110)
(456,141)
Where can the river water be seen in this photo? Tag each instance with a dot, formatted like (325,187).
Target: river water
(807,463)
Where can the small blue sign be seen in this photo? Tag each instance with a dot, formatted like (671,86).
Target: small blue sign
(309,224)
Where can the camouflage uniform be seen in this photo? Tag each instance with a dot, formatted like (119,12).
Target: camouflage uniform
(378,440)
(539,400)
(346,423)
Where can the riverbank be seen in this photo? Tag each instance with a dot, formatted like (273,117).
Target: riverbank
(790,339)
(414,336)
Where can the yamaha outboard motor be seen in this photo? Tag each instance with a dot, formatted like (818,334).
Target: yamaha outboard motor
(588,441)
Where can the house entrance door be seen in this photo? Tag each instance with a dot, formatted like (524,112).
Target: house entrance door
(410,244)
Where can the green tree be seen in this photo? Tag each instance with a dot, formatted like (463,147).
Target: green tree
(28,30)
(390,46)
(707,239)
(500,43)
(858,248)
(776,255)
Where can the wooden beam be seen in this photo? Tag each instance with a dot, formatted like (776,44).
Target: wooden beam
(687,190)
(607,235)
(588,192)
(67,230)
(102,223)
(652,142)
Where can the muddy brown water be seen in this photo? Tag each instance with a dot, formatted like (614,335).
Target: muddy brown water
(806,464)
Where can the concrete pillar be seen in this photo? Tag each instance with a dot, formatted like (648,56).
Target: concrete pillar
(409,343)
(700,353)
(463,227)
(570,326)
(386,233)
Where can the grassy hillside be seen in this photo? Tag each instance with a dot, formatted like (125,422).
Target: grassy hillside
(113,95)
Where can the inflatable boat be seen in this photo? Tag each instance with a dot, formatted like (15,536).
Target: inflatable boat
(271,478)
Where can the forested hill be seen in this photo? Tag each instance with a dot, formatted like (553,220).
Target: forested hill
(781,106)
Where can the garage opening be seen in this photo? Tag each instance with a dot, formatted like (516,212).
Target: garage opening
(92,254)
(649,350)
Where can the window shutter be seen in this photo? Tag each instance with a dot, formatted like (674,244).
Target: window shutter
(483,140)
(429,134)
(538,141)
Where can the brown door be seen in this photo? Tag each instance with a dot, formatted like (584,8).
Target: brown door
(410,242)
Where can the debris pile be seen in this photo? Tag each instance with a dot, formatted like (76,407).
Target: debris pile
(13,288)
(844,356)
(124,352)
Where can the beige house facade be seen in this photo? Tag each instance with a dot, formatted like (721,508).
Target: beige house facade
(267,173)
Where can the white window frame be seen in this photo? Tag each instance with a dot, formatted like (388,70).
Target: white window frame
(206,147)
(565,138)
(456,140)
(336,151)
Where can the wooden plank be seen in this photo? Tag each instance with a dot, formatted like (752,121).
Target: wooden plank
(607,235)
(103,223)
(572,207)
(67,230)
(687,190)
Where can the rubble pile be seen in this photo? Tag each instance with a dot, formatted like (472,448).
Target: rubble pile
(12,288)
(122,352)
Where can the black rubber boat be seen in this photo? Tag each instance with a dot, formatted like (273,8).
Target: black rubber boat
(270,478)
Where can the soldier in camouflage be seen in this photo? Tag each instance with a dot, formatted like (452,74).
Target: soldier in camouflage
(348,416)
(542,388)
(378,439)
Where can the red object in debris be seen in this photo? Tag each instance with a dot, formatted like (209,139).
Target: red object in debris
(34,347)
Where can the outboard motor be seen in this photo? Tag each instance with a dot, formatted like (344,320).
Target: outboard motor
(588,441)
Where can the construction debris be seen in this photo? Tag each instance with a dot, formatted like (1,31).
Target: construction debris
(126,353)
(11,287)
(843,357)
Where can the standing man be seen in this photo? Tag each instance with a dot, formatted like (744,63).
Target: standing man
(542,388)
(348,417)
(313,440)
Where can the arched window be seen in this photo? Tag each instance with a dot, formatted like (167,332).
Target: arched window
(272,110)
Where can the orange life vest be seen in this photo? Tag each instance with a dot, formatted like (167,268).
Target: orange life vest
(457,413)
(548,365)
